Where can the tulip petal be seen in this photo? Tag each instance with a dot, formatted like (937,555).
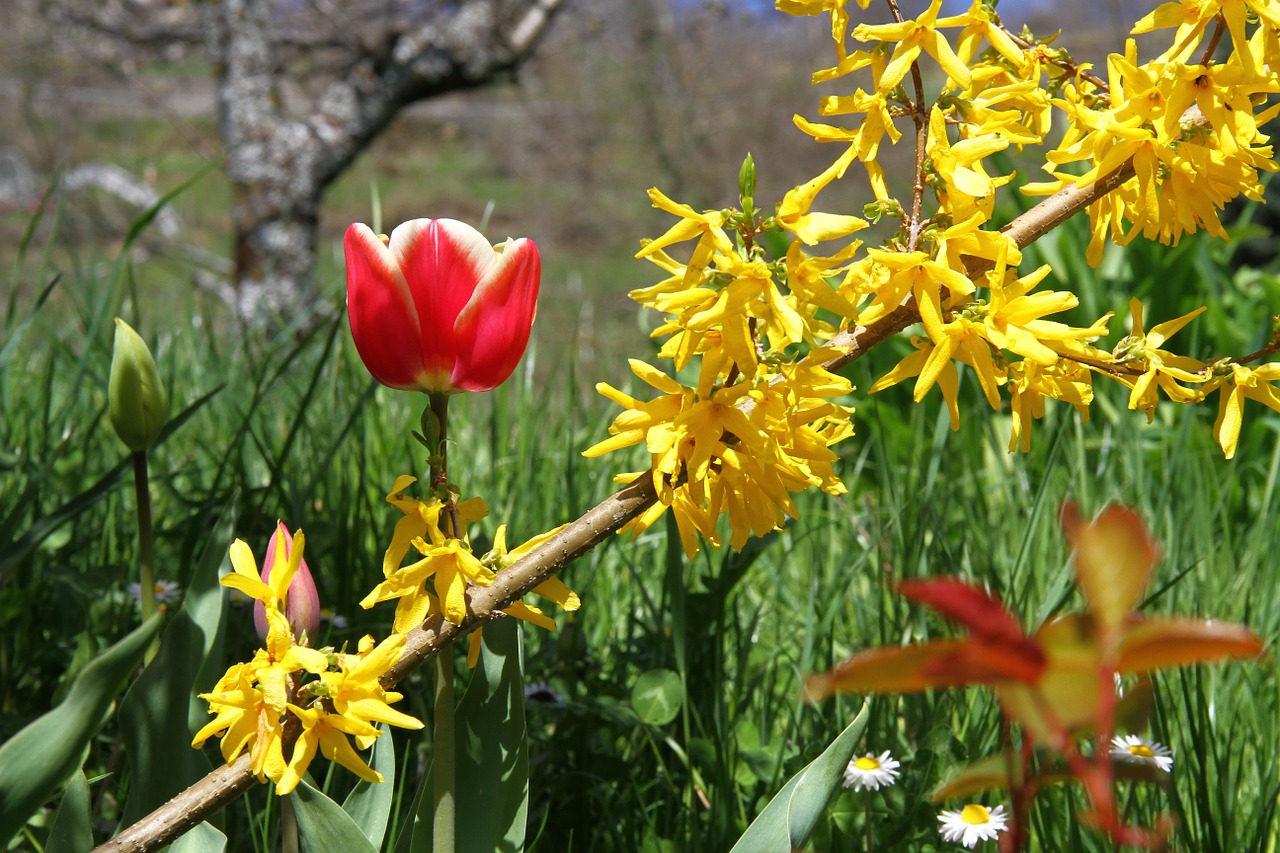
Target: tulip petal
(493,329)
(384,322)
(443,261)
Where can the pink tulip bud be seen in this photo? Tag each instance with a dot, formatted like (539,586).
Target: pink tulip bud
(302,606)
(436,308)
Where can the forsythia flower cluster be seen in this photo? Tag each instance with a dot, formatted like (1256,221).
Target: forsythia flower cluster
(1182,130)
(448,566)
(756,426)
(253,701)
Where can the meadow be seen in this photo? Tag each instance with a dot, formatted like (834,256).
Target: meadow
(288,425)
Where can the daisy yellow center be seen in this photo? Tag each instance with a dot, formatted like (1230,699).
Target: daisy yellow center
(1141,750)
(867,763)
(975,814)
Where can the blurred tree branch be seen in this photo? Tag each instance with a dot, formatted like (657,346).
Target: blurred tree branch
(302,90)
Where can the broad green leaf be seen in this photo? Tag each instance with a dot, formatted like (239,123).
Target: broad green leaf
(204,837)
(492,751)
(657,696)
(1114,556)
(323,825)
(39,758)
(370,803)
(72,830)
(161,712)
(790,817)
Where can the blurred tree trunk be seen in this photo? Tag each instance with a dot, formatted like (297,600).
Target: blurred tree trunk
(280,160)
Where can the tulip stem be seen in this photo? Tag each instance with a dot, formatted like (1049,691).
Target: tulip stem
(146,553)
(439,460)
(443,775)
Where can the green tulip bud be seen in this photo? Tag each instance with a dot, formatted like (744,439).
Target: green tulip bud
(136,397)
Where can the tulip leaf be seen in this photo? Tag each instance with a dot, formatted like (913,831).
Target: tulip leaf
(160,712)
(491,753)
(791,816)
(1163,642)
(204,837)
(369,804)
(1114,556)
(323,825)
(13,553)
(492,749)
(40,757)
(72,830)
(414,835)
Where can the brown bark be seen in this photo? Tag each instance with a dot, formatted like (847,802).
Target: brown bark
(280,160)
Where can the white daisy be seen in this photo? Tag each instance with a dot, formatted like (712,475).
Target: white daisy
(870,773)
(336,619)
(166,591)
(1137,750)
(972,824)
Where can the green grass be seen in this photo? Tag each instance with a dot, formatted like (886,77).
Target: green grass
(290,426)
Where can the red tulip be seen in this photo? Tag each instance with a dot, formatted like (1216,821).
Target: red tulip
(436,308)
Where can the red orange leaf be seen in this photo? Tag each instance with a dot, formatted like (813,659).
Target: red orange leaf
(983,614)
(936,664)
(1114,556)
(888,669)
(1066,696)
(1163,642)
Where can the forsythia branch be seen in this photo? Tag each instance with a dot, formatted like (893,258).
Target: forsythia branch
(1025,230)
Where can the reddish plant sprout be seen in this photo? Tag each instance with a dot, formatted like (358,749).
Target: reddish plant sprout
(1057,683)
